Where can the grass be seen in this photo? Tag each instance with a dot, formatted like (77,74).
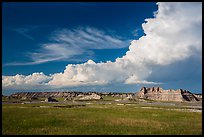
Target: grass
(25,119)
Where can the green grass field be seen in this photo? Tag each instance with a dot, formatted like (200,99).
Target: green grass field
(97,119)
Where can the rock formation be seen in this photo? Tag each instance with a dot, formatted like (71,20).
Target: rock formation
(93,96)
(49,99)
(157,93)
(153,93)
(198,96)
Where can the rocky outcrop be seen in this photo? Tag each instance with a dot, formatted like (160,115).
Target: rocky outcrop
(68,99)
(69,95)
(157,93)
(45,94)
(153,93)
(198,96)
(93,96)
(49,99)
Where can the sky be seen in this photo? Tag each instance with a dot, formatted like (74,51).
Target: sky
(101,46)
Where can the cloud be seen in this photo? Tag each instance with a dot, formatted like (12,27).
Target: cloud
(72,45)
(19,80)
(135,32)
(134,80)
(171,37)
(25,31)
(89,38)
(88,73)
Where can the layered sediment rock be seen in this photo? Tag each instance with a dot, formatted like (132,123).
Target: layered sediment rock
(46,94)
(198,96)
(157,93)
(67,95)
(153,93)
(91,97)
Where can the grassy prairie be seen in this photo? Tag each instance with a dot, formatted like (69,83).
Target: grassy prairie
(97,119)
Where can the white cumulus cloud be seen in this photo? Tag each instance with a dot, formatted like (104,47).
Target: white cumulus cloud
(33,79)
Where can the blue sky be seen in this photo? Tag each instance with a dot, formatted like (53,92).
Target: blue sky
(46,37)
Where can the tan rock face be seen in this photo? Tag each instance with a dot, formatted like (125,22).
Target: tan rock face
(198,96)
(90,97)
(157,93)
